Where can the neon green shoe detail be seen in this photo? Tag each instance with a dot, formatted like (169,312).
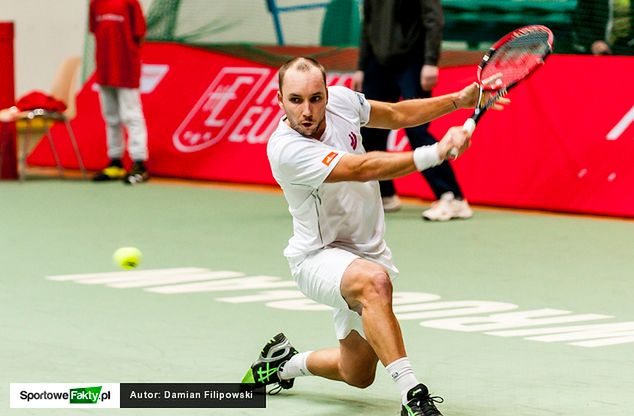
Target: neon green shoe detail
(248,378)
(420,403)
(264,371)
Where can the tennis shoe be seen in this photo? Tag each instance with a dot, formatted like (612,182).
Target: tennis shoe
(447,208)
(460,209)
(391,203)
(137,174)
(264,371)
(111,173)
(420,403)
(440,210)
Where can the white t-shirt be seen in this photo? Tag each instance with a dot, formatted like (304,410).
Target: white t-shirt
(343,214)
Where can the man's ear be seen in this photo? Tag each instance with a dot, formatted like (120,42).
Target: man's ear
(279,99)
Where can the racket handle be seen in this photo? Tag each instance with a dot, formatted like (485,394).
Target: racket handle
(468,126)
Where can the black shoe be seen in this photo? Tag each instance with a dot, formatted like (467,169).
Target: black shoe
(137,174)
(111,173)
(420,403)
(263,371)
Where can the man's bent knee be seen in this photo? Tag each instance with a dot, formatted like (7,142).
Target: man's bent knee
(378,287)
(365,282)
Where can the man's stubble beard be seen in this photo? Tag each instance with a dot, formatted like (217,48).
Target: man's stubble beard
(301,130)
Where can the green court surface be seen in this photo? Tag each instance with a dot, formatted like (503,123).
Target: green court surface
(565,347)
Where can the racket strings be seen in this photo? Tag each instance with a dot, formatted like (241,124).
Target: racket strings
(518,57)
(492,100)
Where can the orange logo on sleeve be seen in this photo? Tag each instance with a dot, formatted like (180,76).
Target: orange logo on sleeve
(328,159)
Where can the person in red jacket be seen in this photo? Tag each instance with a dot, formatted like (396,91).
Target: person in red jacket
(119,28)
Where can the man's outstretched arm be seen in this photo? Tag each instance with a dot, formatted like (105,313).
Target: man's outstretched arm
(383,165)
(410,113)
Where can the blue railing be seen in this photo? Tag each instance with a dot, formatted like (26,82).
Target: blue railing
(275,11)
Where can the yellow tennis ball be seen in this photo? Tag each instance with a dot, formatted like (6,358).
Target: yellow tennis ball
(127,257)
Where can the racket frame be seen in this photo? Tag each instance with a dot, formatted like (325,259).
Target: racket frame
(502,91)
(470,124)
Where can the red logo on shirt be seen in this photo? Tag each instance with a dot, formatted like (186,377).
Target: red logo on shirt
(353,140)
(328,159)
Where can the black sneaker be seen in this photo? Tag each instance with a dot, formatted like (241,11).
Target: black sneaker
(137,174)
(111,173)
(420,403)
(263,372)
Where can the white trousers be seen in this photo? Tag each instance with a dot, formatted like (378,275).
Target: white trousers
(122,107)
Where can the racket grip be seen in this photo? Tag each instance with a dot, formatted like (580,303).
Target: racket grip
(469,127)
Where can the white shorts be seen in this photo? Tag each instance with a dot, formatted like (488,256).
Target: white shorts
(319,275)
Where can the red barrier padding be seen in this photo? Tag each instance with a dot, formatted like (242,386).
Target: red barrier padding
(7,98)
(565,143)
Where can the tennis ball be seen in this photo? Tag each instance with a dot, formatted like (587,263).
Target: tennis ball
(127,257)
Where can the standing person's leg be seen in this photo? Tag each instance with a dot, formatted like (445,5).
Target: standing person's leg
(114,134)
(134,120)
(441,179)
(378,85)
(376,140)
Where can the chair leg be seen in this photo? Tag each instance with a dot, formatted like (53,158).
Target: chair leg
(73,141)
(60,168)
(22,155)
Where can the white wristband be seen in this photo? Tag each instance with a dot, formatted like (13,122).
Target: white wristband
(426,157)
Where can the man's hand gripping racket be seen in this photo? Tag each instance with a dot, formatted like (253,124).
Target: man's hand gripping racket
(509,61)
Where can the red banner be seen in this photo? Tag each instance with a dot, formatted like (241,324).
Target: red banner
(562,145)
(8,162)
(565,143)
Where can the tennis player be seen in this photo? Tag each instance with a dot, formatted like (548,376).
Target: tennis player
(337,254)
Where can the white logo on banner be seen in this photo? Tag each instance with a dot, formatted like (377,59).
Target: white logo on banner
(261,118)
(151,76)
(396,141)
(218,109)
(240,105)
(621,126)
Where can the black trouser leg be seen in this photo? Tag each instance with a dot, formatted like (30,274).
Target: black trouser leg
(441,178)
(373,140)
(379,84)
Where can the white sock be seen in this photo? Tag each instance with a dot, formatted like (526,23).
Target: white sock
(295,367)
(402,373)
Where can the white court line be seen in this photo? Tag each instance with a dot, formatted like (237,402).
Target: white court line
(253,282)
(125,275)
(194,277)
(265,297)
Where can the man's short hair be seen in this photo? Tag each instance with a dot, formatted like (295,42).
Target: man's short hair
(301,64)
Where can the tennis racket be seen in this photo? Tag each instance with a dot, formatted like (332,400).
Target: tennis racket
(512,59)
